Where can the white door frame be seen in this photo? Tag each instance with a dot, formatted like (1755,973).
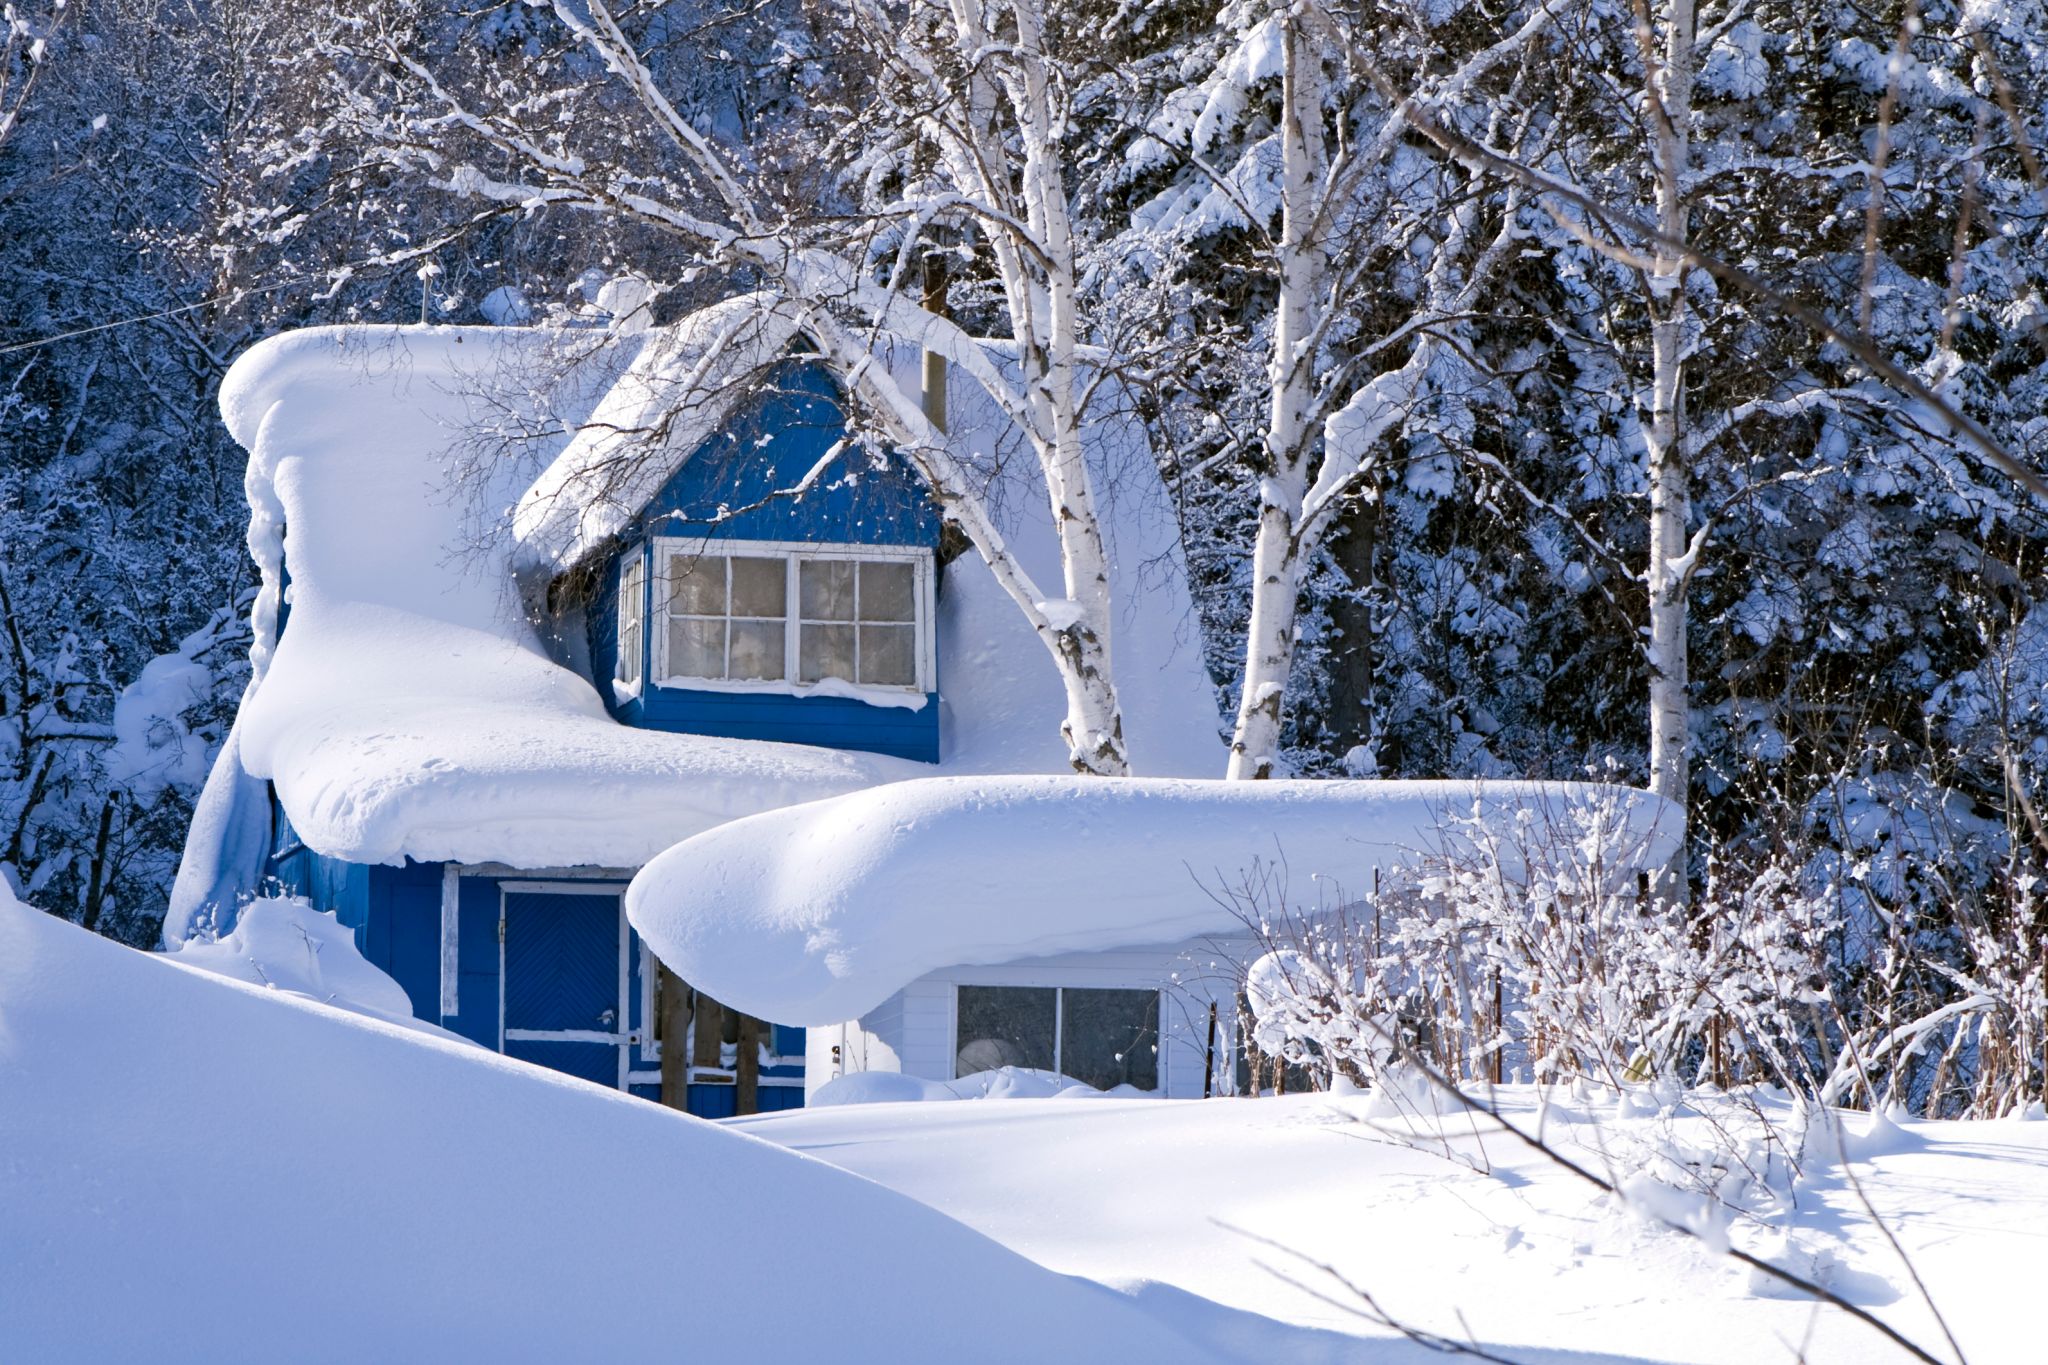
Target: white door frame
(623,1037)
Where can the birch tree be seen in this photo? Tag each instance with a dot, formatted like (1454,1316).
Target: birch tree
(1329,194)
(1710,330)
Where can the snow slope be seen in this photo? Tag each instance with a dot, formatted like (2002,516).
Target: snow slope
(193,1169)
(1208,1210)
(815,914)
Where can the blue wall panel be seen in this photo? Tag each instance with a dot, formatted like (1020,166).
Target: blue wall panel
(396,915)
(769,447)
(833,722)
(476,961)
(405,915)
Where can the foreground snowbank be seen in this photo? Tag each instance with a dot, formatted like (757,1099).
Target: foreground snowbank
(193,1169)
(817,913)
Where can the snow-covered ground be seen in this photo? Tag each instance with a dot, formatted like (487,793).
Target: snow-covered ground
(196,1169)
(1211,1211)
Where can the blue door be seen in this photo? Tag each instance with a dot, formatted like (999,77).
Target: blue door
(562,979)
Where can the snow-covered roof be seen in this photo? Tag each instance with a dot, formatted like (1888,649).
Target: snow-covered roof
(815,914)
(675,394)
(411,710)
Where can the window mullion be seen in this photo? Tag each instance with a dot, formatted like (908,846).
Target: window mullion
(725,626)
(1059,1027)
(792,615)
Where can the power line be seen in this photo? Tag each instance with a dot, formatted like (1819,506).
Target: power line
(146,317)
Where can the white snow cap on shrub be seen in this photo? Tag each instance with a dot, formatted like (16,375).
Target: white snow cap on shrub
(284,944)
(816,913)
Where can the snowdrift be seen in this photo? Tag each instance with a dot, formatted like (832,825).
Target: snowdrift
(818,913)
(281,943)
(192,1169)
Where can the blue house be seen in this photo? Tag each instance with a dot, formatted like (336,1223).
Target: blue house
(467,729)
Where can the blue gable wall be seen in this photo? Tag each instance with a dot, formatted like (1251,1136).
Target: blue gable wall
(770,445)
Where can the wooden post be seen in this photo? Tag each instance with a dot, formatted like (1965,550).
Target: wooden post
(1209,1071)
(1500,1027)
(672,1008)
(747,1100)
(710,1033)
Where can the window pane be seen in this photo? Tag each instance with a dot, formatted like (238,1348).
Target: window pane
(825,652)
(888,655)
(696,649)
(888,591)
(631,602)
(1004,1026)
(760,587)
(628,669)
(696,585)
(757,649)
(1111,1038)
(825,589)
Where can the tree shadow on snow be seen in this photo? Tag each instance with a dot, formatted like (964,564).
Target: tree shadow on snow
(1239,1334)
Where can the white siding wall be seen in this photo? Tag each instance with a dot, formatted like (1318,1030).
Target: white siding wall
(913,1030)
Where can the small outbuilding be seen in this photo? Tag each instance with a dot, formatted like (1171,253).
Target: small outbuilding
(1092,929)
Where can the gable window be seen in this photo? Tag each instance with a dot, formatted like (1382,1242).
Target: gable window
(771,616)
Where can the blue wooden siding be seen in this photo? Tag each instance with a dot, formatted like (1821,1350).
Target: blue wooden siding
(771,445)
(396,915)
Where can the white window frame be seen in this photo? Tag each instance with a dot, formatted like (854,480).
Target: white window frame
(1059,991)
(792,553)
(630,613)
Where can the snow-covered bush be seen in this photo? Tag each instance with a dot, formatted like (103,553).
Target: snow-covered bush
(1858,957)
(1531,946)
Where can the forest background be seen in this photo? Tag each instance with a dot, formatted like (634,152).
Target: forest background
(1434,313)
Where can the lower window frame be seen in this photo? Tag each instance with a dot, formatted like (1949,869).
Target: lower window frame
(1059,1023)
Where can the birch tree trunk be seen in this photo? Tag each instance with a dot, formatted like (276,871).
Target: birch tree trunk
(1668,107)
(1276,552)
(1318,447)
(1094,724)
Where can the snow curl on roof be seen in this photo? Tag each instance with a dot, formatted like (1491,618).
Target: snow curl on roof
(410,710)
(816,914)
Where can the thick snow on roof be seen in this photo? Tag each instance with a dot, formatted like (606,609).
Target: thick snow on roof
(268,1178)
(816,914)
(411,711)
(678,390)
